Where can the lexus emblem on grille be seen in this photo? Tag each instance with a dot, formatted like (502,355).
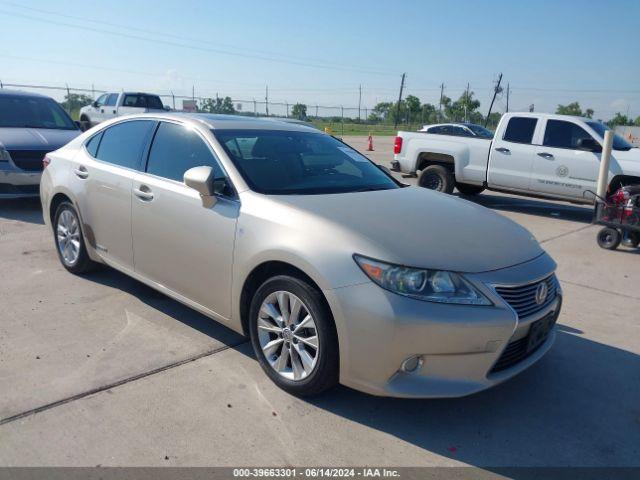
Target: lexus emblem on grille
(541,293)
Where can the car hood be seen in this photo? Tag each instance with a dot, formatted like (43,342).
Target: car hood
(48,139)
(421,228)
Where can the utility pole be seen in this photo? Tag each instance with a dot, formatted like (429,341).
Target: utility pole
(359,101)
(466,104)
(266,99)
(193,93)
(173,99)
(316,110)
(440,104)
(287,104)
(399,100)
(508,97)
(495,93)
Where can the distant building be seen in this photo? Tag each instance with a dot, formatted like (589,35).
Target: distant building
(189,105)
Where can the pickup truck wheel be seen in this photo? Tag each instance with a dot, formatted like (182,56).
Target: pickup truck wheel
(438,178)
(85,124)
(467,189)
(609,238)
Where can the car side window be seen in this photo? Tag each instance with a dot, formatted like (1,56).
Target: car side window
(102,99)
(436,130)
(138,101)
(112,100)
(93,143)
(561,134)
(520,129)
(123,143)
(176,149)
(459,132)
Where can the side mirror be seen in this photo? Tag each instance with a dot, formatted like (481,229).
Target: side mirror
(589,144)
(94,104)
(166,108)
(202,179)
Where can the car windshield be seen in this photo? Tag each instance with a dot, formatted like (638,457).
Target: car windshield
(33,112)
(480,131)
(300,163)
(619,143)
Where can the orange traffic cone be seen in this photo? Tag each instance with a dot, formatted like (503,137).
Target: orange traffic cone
(370,146)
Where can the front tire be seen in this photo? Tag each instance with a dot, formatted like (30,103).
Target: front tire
(467,189)
(293,336)
(70,244)
(438,178)
(609,238)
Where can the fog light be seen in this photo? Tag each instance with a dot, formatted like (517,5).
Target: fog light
(411,364)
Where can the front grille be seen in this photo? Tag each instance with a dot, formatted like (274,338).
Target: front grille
(522,298)
(30,160)
(7,188)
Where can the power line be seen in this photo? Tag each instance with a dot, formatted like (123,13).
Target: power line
(195,47)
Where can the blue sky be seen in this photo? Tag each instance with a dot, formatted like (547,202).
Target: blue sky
(550,52)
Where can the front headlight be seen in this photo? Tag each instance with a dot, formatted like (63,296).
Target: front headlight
(4,154)
(429,285)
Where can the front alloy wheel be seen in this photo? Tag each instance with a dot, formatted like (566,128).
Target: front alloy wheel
(288,335)
(294,336)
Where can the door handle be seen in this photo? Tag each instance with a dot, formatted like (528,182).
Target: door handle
(81,172)
(503,150)
(102,110)
(546,155)
(145,195)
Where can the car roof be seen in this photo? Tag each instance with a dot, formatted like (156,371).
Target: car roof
(21,93)
(229,122)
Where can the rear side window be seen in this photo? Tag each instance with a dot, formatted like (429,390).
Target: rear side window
(134,101)
(154,101)
(112,99)
(123,143)
(92,144)
(563,134)
(175,150)
(520,129)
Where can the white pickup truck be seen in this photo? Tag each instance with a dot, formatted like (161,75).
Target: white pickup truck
(111,105)
(534,154)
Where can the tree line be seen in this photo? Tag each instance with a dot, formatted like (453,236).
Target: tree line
(410,110)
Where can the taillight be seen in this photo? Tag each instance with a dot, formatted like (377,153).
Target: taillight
(397,145)
(45,162)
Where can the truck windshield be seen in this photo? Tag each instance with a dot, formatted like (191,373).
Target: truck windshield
(619,143)
(18,111)
(480,131)
(300,163)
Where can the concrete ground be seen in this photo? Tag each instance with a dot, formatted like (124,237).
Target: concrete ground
(101,370)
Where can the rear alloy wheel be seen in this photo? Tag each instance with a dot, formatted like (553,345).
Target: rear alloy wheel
(69,240)
(438,178)
(609,238)
(467,189)
(293,336)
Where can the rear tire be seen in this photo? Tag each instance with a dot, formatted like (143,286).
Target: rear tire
(438,178)
(85,124)
(467,189)
(609,238)
(69,240)
(294,364)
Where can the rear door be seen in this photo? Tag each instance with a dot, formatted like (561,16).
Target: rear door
(560,167)
(132,103)
(512,154)
(178,242)
(104,172)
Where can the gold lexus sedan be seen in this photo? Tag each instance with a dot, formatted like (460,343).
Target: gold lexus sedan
(337,272)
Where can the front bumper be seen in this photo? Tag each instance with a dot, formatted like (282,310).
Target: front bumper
(17,183)
(458,344)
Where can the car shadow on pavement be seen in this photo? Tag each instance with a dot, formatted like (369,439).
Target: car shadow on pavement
(27,210)
(529,206)
(578,406)
(112,278)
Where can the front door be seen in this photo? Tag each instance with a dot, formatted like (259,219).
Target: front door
(560,167)
(512,155)
(106,177)
(178,242)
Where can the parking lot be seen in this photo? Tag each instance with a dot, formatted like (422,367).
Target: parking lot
(102,370)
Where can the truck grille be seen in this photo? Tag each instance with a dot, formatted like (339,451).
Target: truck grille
(30,160)
(522,298)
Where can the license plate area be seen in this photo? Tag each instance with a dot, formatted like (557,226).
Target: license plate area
(539,331)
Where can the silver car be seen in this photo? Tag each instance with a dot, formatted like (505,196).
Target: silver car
(337,272)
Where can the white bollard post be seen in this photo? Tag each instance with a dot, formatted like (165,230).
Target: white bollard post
(605,159)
